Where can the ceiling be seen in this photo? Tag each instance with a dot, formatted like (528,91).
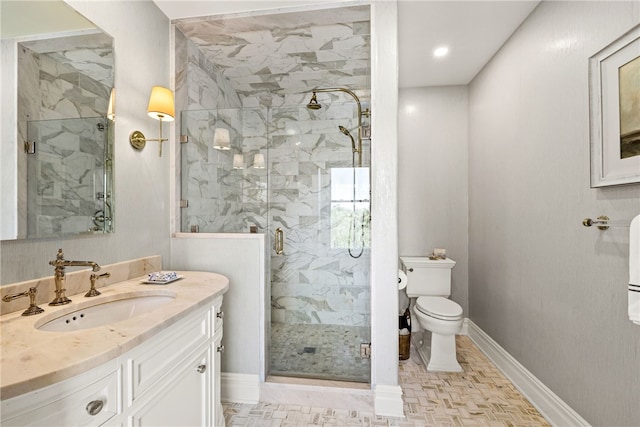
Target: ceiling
(473,31)
(28,18)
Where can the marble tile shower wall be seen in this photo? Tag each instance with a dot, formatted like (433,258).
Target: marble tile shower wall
(224,199)
(199,85)
(60,109)
(314,282)
(206,100)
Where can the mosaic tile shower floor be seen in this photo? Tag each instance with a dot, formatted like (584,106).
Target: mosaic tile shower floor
(479,396)
(328,352)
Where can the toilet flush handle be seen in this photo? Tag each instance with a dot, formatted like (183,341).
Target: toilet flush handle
(411,270)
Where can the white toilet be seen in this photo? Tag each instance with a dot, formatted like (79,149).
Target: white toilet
(428,286)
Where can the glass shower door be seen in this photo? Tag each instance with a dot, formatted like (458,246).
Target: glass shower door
(318,215)
(69,177)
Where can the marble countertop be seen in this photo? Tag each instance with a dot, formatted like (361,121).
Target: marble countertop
(32,359)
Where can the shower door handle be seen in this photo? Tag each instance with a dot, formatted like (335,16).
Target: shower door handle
(279,241)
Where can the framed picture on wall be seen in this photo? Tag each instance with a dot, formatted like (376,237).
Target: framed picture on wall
(614,98)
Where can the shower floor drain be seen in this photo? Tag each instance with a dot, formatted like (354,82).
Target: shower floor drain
(310,350)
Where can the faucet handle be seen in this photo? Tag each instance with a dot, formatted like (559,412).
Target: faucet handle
(93,292)
(59,257)
(31,293)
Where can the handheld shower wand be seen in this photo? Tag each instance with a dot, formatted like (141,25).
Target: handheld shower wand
(345,131)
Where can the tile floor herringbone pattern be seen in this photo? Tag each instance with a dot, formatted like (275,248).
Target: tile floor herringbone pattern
(479,396)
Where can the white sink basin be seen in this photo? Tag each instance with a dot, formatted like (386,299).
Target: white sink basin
(105,313)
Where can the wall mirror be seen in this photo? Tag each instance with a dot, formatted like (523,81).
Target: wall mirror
(58,118)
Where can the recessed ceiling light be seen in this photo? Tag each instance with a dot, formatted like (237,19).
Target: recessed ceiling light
(441,51)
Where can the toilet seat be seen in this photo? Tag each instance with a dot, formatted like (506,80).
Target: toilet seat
(439,308)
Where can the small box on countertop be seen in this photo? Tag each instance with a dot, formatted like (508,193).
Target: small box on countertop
(439,253)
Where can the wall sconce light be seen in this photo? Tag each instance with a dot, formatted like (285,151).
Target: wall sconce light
(111,110)
(238,161)
(161,107)
(221,140)
(258,161)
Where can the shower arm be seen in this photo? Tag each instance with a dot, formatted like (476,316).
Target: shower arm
(347,91)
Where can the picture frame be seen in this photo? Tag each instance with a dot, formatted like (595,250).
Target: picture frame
(614,112)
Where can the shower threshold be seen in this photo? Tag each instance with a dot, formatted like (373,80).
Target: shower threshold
(310,392)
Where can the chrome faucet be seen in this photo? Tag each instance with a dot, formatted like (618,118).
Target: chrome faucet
(60,263)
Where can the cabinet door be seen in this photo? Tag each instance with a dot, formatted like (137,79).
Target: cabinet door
(182,400)
(151,361)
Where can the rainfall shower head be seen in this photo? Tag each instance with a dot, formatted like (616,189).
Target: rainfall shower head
(313,104)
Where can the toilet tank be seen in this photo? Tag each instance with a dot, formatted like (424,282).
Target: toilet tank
(427,277)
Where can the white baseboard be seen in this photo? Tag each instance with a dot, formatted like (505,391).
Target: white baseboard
(239,388)
(388,401)
(464,330)
(554,409)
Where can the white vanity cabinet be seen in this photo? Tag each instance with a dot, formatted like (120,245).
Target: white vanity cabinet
(175,380)
(172,379)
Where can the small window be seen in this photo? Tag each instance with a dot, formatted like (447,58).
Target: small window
(350,207)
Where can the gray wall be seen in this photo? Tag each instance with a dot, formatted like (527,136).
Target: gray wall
(547,289)
(433,176)
(141,178)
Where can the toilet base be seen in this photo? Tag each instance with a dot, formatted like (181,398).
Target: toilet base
(443,359)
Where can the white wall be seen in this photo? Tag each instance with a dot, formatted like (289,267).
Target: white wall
(548,290)
(141,34)
(433,176)
(384,208)
(240,257)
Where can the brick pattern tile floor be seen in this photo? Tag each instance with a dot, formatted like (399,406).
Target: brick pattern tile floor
(479,396)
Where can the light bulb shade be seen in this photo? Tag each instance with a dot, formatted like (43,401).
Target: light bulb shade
(258,161)
(238,161)
(221,140)
(161,105)
(111,110)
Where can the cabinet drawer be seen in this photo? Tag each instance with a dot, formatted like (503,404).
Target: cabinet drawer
(70,403)
(156,358)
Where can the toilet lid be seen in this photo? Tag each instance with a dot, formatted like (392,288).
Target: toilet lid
(439,307)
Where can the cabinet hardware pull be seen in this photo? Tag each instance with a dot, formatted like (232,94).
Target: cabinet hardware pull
(202,369)
(94,407)
(220,349)
(220,314)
